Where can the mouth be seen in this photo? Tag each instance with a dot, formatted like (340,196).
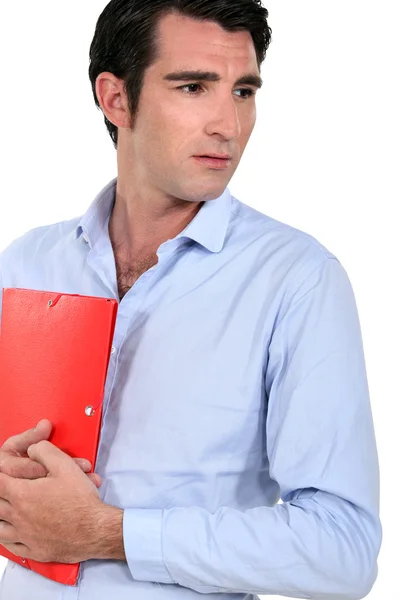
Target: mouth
(220,156)
(215,161)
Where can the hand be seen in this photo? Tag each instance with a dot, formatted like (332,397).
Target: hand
(14,460)
(58,518)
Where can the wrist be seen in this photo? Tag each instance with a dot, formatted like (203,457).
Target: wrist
(108,543)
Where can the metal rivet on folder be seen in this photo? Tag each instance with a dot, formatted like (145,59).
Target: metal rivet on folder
(89,411)
(50,303)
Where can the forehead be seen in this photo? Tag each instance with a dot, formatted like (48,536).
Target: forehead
(188,42)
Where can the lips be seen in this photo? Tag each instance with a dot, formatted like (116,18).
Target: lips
(219,156)
(214,162)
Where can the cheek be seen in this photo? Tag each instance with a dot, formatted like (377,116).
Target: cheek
(173,125)
(152,136)
(249,121)
(247,130)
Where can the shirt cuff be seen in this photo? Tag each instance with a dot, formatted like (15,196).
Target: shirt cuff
(142,532)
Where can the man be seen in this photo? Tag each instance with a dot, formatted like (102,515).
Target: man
(237,375)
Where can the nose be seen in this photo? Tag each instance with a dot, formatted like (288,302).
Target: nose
(224,120)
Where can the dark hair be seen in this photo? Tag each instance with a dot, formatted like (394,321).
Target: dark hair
(125,41)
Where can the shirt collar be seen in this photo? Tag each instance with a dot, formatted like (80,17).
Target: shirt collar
(208,228)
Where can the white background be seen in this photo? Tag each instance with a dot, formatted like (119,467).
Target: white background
(324,158)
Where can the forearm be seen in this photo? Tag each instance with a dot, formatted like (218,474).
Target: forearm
(301,548)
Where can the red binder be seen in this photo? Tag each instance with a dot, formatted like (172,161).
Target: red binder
(54,355)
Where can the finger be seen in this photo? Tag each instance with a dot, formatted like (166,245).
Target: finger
(19,444)
(5,510)
(83,464)
(8,533)
(96,479)
(18,549)
(6,487)
(53,459)
(23,468)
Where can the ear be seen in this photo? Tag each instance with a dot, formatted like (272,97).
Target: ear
(113,99)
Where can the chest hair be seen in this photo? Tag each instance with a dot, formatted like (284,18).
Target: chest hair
(128,272)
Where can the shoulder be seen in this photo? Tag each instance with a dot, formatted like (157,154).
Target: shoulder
(272,229)
(292,253)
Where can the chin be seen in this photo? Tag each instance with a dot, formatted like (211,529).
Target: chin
(204,193)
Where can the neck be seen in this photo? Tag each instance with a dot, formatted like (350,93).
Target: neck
(139,225)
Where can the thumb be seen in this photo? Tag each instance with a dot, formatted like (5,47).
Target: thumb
(54,460)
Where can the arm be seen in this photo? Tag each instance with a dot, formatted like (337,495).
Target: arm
(323,541)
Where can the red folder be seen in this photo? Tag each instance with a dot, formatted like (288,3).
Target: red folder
(54,355)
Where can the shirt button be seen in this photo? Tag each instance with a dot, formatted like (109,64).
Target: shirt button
(113,350)
(85,237)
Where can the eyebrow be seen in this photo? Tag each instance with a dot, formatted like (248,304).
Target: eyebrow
(248,79)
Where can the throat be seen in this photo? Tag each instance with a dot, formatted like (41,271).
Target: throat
(128,272)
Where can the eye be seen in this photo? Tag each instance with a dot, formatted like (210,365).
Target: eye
(249,93)
(189,87)
(192,89)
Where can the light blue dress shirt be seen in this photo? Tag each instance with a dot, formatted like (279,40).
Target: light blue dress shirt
(237,377)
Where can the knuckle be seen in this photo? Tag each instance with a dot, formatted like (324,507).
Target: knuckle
(14,470)
(22,468)
(35,470)
(38,472)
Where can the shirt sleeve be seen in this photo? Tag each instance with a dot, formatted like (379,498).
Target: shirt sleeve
(323,540)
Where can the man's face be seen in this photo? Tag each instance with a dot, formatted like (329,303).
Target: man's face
(178,120)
